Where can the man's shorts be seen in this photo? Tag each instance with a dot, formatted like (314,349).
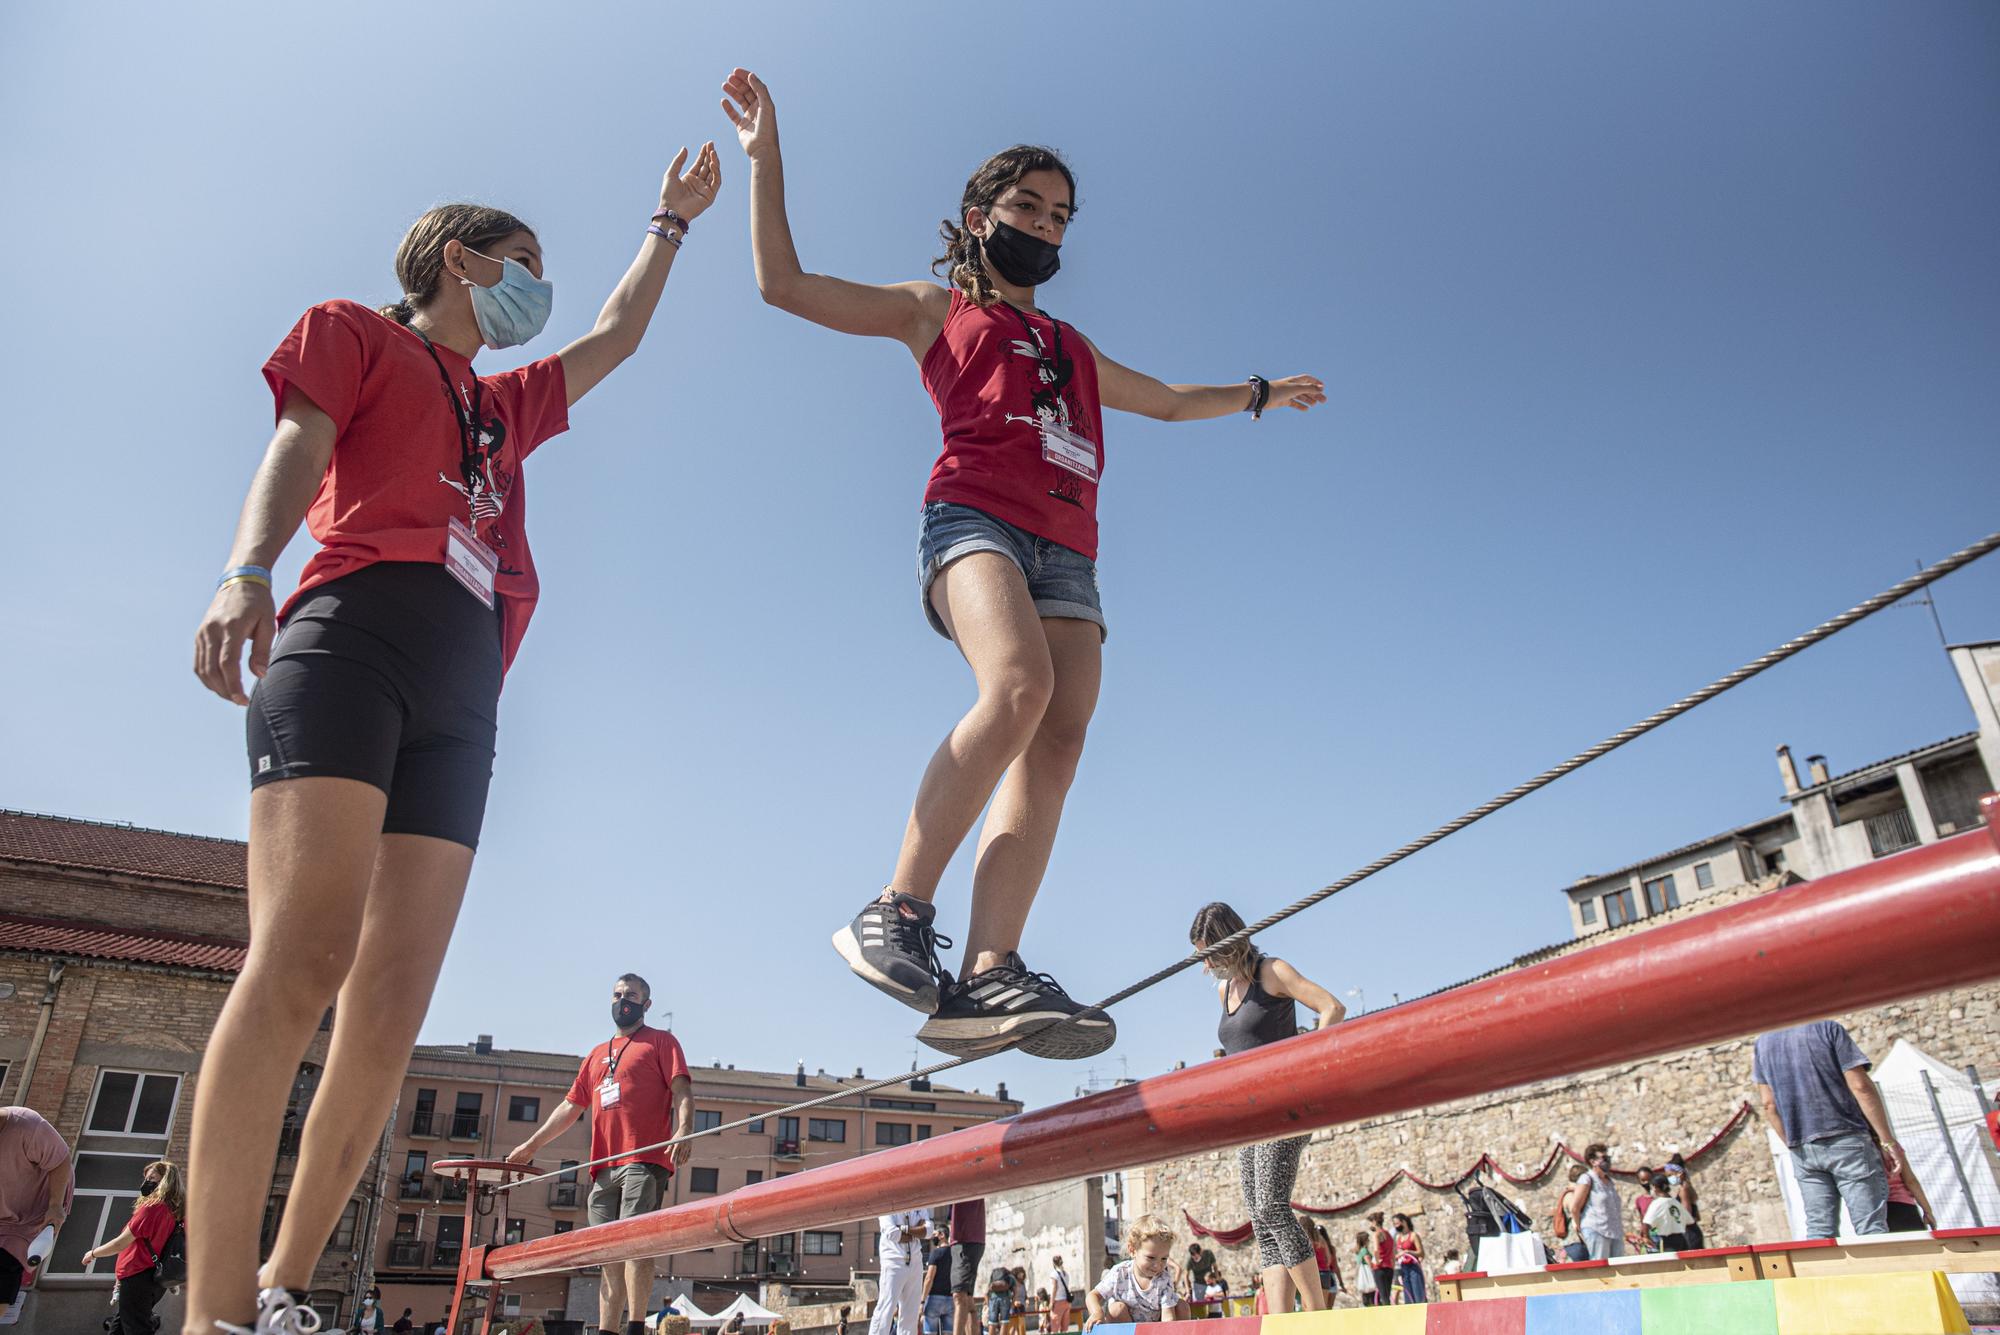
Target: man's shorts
(629,1189)
(10,1277)
(937,1312)
(965,1265)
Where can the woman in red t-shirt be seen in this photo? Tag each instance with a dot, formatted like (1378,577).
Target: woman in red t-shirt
(158,1211)
(371,729)
(1007,567)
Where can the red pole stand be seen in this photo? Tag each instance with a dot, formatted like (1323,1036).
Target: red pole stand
(472,1257)
(1920,922)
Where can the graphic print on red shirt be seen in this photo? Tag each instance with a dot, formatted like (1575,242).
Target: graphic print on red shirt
(1016,394)
(398,472)
(644,1066)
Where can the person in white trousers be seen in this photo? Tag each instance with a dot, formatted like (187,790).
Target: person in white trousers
(900,1250)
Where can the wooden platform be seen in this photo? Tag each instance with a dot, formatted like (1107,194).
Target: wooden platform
(1955,1251)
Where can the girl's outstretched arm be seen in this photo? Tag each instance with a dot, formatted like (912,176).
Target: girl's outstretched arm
(911,313)
(622,322)
(1132,391)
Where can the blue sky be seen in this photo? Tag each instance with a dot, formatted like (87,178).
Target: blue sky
(1654,334)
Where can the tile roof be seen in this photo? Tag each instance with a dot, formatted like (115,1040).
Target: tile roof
(58,936)
(64,841)
(1898,758)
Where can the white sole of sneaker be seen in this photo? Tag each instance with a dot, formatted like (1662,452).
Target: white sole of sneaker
(1045,1035)
(923,999)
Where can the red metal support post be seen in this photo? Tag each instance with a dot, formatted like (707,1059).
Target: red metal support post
(1910,925)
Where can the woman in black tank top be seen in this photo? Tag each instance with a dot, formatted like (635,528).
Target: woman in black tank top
(1260,1004)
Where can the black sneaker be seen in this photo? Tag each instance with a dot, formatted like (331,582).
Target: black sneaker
(1010,1005)
(892,944)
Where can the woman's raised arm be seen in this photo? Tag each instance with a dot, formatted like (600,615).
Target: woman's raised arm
(911,313)
(622,322)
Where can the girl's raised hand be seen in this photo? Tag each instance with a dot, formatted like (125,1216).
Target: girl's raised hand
(690,195)
(757,123)
(1297,391)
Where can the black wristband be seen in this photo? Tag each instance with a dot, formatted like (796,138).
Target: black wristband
(1260,394)
(673,219)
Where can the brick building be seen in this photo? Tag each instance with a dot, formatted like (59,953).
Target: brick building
(103,1033)
(477,1101)
(120,945)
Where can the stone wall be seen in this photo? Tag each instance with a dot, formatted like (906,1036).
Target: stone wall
(1645,1111)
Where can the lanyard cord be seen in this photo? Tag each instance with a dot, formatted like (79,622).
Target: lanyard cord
(473,456)
(1058,378)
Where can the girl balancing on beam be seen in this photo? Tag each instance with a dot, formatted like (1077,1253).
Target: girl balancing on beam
(1006,551)
(371,731)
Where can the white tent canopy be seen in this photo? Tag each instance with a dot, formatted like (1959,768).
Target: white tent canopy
(753,1312)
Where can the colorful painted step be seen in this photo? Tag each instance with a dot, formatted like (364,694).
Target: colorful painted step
(1612,1313)
(1410,1320)
(1744,1308)
(1916,1303)
(1492,1316)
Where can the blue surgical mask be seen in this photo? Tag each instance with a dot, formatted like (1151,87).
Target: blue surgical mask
(513,310)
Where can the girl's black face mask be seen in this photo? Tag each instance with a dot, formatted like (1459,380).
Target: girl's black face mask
(1019,257)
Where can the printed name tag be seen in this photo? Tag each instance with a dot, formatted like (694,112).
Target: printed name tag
(470,561)
(607,1092)
(1066,449)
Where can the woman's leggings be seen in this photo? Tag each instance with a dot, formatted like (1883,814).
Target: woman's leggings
(1269,1171)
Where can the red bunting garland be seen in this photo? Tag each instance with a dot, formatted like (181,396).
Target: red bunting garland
(1230,1237)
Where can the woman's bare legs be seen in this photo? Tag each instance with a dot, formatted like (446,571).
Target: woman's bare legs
(313,848)
(413,901)
(1020,829)
(983,600)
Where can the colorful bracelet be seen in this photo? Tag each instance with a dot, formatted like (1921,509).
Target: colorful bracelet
(245,575)
(666,234)
(670,216)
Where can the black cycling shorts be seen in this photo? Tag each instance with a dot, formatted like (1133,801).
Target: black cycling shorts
(390,675)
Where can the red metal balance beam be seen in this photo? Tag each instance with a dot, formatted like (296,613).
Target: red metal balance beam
(1917,923)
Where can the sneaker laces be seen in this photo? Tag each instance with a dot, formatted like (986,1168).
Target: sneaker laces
(278,1311)
(1018,968)
(916,937)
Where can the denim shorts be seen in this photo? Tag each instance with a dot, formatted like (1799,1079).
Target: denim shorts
(1061,580)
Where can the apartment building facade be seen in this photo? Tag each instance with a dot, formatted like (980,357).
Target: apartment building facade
(478,1101)
(1832,821)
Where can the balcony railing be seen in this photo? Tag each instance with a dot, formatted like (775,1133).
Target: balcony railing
(785,1149)
(406,1254)
(451,1188)
(467,1126)
(426,1124)
(413,1189)
(563,1195)
(445,1256)
(1891,832)
(781,1265)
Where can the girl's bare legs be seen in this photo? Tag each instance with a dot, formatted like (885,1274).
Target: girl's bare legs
(412,904)
(983,600)
(1020,829)
(312,849)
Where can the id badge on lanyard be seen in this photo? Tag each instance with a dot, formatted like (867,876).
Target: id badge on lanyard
(470,561)
(1069,449)
(607,1091)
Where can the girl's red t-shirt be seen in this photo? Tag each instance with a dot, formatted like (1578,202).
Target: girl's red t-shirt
(395,479)
(152,1224)
(984,375)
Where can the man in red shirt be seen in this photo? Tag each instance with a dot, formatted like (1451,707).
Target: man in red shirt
(628,1084)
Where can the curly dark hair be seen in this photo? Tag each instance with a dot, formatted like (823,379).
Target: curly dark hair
(995,177)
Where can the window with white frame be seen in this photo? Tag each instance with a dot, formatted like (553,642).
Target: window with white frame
(1587,910)
(107,1187)
(1704,876)
(133,1103)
